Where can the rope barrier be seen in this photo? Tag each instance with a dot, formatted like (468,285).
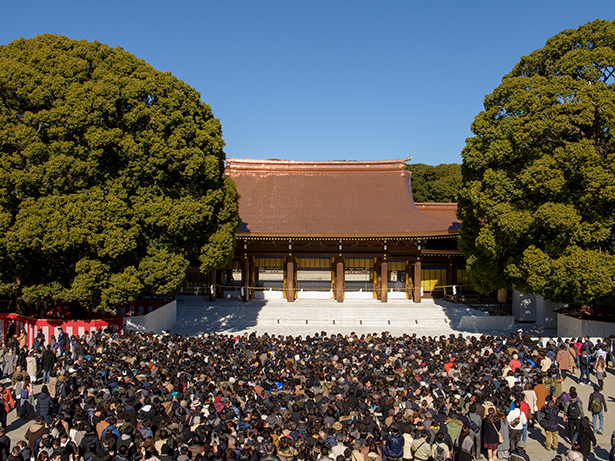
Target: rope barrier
(211,288)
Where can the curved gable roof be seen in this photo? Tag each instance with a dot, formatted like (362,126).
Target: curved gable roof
(329,199)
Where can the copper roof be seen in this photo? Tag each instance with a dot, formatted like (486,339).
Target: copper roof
(446,211)
(330,199)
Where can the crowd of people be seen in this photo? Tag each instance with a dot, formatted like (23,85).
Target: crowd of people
(130,397)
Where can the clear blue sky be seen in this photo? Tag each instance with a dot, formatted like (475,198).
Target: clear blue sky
(324,80)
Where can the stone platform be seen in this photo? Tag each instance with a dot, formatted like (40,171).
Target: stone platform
(197,315)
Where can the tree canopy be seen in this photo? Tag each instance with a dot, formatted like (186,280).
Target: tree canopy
(538,195)
(435,183)
(109,172)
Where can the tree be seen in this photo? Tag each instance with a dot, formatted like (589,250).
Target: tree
(538,197)
(435,183)
(109,172)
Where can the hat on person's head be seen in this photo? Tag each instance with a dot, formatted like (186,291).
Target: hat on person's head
(337,426)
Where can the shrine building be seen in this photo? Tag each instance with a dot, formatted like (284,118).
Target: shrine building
(339,229)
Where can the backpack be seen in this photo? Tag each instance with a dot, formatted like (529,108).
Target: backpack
(474,427)
(560,402)
(574,412)
(440,454)
(596,405)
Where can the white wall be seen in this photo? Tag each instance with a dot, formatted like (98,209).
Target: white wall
(162,318)
(532,308)
(524,307)
(487,322)
(573,327)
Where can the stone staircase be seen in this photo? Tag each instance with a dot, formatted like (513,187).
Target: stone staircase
(196,315)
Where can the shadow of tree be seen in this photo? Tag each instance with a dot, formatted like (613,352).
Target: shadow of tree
(224,316)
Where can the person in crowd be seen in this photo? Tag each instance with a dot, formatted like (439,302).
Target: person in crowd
(550,411)
(130,396)
(563,360)
(422,447)
(44,404)
(601,371)
(491,433)
(574,454)
(573,413)
(597,407)
(519,453)
(22,339)
(48,361)
(464,445)
(516,420)
(586,438)
(584,368)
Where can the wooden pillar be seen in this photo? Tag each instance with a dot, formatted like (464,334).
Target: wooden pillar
(220,283)
(211,285)
(256,275)
(245,278)
(384,274)
(417,281)
(409,283)
(377,280)
(339,279)
(449,276)
(252,291)
(290,282)
(229,279)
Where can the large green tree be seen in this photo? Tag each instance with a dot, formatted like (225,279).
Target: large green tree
(439,183)
(109,172)
(538,196)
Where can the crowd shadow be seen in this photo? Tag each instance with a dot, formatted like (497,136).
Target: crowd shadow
(17,423)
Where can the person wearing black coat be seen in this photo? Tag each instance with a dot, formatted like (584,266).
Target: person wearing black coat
(491,428)
(90,437)
(15,454)
(43,404)
(5,445)
(48,359)
(586,437)
(550,412)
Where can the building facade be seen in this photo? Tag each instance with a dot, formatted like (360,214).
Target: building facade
(338,229)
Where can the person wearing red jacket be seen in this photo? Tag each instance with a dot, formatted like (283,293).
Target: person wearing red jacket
(514,363)
(9,404)
(525,409)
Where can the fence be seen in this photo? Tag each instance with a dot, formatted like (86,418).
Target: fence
(49,326)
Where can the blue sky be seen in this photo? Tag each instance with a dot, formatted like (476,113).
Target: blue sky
(324,80)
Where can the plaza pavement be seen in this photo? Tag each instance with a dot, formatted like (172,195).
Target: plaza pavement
(196,315)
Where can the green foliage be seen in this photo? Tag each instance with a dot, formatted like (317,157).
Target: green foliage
(435,183)
(109,172)
(538,195)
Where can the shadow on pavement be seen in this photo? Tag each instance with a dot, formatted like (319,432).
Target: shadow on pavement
(223,316)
